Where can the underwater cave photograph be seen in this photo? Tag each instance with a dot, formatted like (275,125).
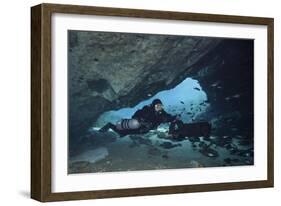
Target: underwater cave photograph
(153,101)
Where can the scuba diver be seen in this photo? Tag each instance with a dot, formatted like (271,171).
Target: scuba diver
(143,120)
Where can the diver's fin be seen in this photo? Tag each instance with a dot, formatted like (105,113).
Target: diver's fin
(105,128)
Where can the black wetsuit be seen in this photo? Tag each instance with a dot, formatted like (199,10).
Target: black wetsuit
(150,119)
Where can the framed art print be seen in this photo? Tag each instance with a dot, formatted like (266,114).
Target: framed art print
(130,102)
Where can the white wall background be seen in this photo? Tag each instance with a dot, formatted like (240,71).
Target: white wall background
(15,102)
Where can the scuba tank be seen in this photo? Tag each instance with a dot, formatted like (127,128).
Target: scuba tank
(128,124)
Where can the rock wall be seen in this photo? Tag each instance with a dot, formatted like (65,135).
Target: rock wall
(226,75)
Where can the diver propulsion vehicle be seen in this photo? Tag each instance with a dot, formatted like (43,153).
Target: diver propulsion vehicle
(192,131)
(181,130)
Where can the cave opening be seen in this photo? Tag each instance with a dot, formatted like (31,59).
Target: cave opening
(186,99)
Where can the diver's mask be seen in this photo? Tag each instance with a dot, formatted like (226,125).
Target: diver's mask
(158,108)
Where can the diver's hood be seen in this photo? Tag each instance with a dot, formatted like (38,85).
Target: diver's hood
(156,101)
